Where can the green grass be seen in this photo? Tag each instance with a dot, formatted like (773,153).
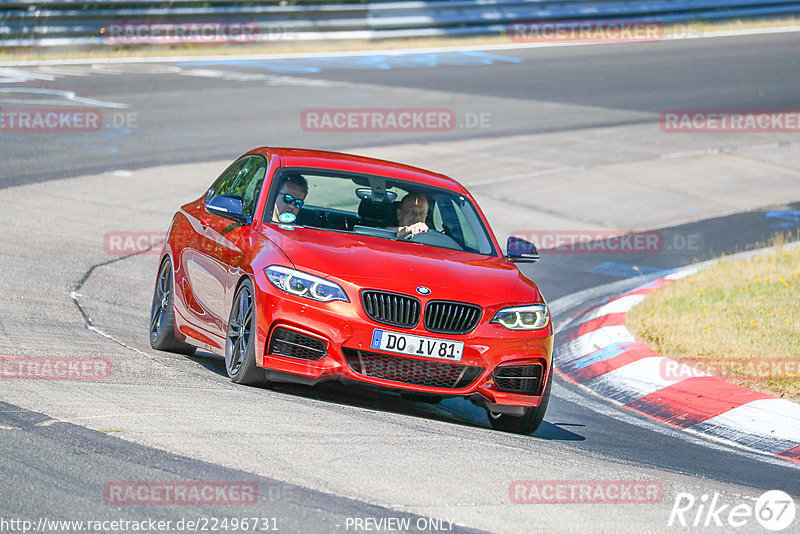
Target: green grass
(737,319)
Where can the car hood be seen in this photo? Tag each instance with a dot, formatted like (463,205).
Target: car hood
(375,263)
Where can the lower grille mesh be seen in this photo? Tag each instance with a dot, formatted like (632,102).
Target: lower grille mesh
(293,344)
(411,371)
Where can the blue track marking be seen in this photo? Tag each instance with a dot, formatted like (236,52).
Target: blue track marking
(787,218)
(412,60)
(606,353)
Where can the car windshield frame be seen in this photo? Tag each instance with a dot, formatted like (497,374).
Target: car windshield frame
(378,182)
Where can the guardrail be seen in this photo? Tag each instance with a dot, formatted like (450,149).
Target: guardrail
(82,22)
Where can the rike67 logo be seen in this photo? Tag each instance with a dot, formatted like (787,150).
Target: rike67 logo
(774,510)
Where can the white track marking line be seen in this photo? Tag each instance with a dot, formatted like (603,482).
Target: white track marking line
(70,97)
(636,379)
(777,419)
(18,76)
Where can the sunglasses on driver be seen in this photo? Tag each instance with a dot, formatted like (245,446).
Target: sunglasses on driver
(289,199)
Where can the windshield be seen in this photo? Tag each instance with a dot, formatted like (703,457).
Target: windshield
(376,206)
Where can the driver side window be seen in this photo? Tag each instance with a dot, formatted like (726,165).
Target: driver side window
(243,179)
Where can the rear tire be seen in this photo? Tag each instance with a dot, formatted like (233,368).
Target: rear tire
(530,421)
(162,314)
(240,338)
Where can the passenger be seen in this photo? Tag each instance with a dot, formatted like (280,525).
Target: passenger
(292,192)
(411,215)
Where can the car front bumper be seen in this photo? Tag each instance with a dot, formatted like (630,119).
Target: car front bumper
(346,333)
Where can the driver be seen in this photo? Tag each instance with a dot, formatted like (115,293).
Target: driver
(411,215)
(292,191)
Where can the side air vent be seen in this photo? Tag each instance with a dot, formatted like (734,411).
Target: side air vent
(523,379)
(293,344)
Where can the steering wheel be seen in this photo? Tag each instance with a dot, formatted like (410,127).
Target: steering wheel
(435,238)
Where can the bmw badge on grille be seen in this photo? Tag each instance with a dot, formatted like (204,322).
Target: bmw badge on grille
(422,290)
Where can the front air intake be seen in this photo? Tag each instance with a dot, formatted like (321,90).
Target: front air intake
(293,344)
(522,379)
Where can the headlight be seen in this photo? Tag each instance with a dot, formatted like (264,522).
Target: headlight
(532,317)
(304,284)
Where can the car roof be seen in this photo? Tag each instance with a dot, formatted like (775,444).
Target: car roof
(322,159)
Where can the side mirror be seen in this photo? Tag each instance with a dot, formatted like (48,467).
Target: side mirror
(228,206)
(522,251)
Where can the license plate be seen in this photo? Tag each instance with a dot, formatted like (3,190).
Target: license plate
(427,347)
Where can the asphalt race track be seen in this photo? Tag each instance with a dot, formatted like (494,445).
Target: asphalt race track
(547,139)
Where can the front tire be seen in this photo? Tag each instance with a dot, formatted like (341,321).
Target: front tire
(240,337)
(530,421)
(162,314)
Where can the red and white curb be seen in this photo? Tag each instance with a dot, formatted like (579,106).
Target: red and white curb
(597,352)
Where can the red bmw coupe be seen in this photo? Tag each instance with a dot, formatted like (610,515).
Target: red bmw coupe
(305,266)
